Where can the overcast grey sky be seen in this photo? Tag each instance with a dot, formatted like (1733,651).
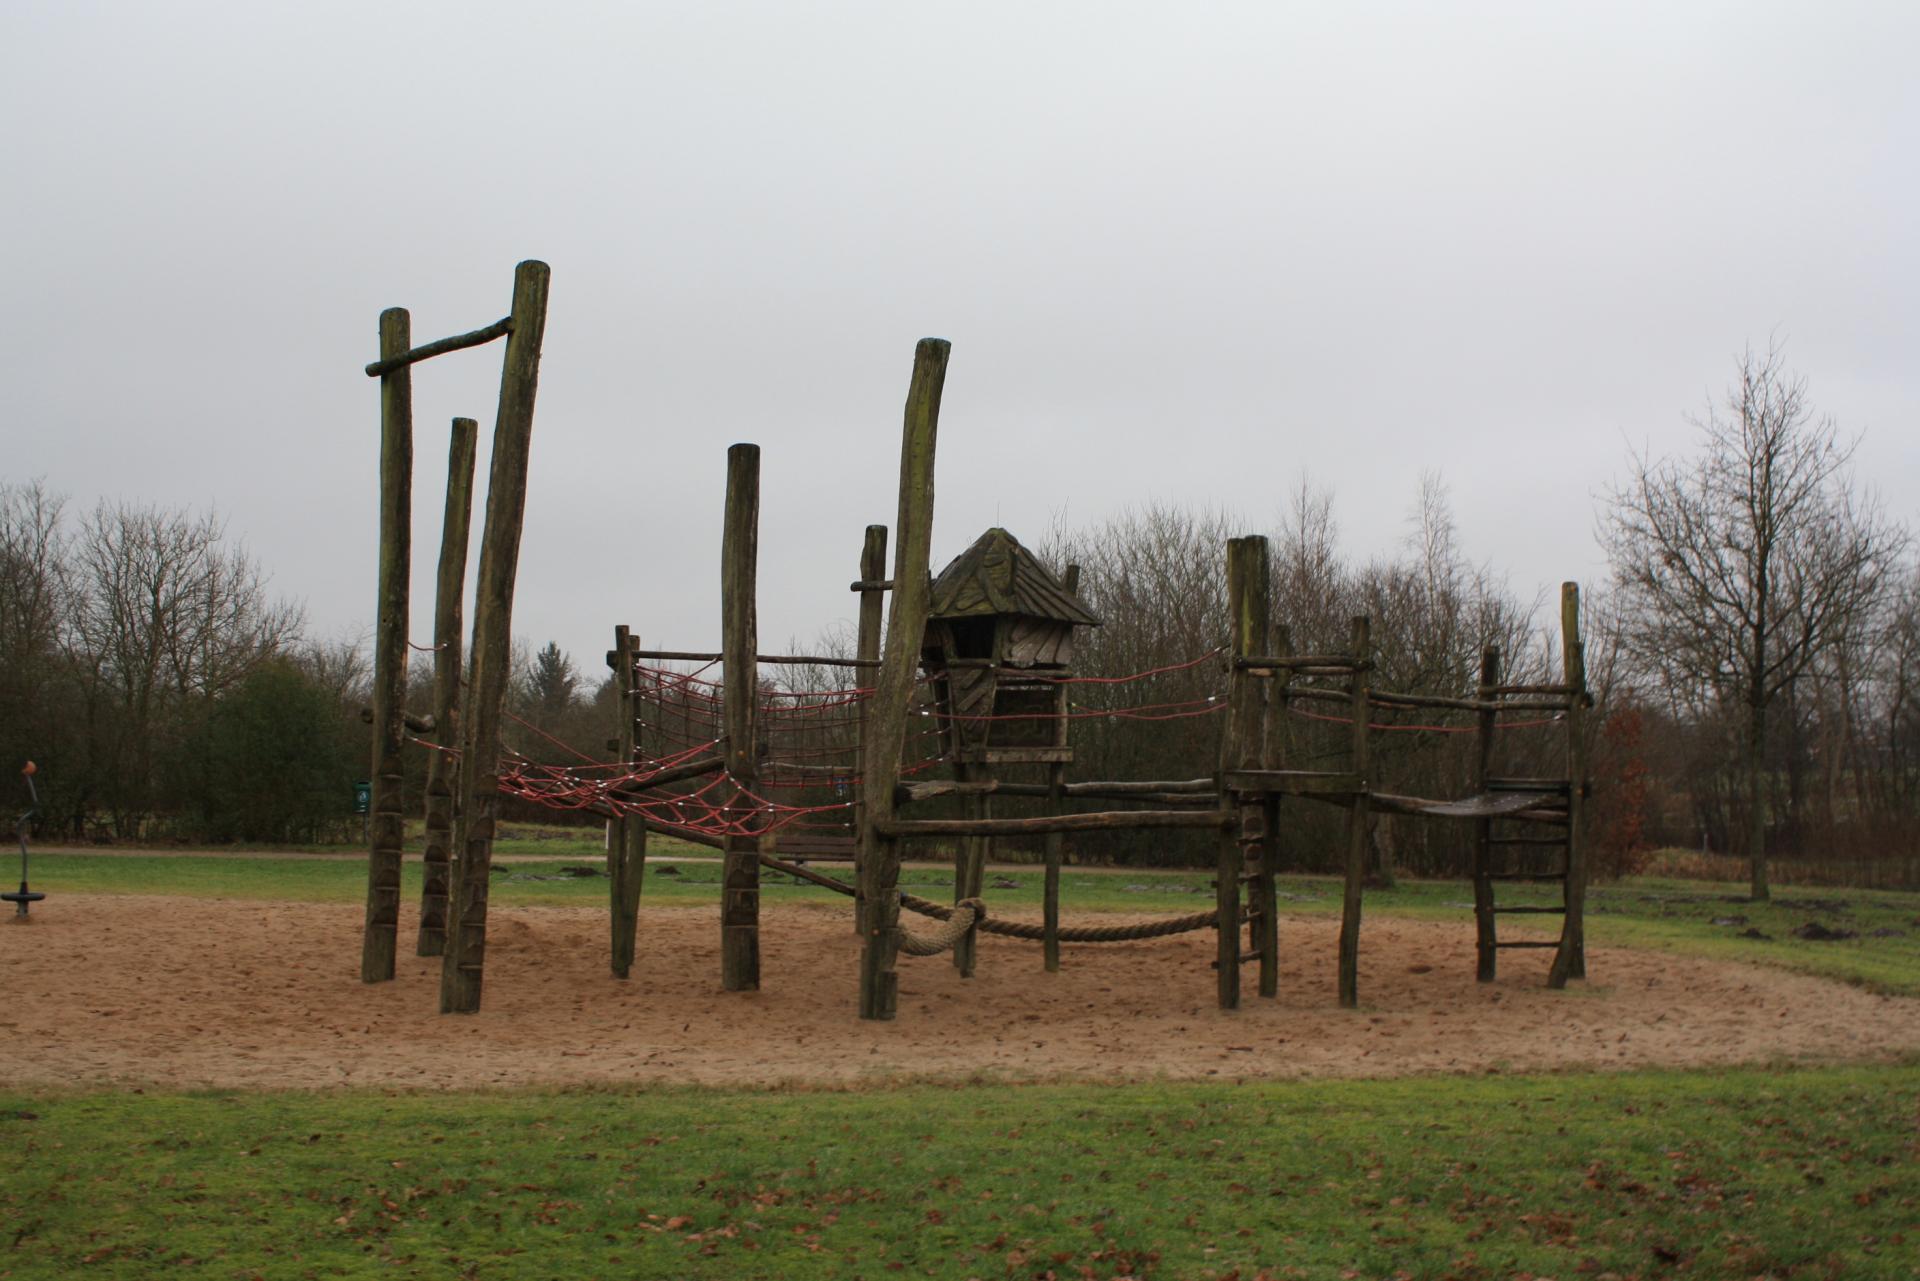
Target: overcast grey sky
(1184,253)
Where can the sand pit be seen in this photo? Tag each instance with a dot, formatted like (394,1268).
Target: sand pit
(180,992)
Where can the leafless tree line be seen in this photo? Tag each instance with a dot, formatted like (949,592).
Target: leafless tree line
(148,670)
(1755,657)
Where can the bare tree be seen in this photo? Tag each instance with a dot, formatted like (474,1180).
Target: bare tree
(1742,565)
(32,611)
(167,618)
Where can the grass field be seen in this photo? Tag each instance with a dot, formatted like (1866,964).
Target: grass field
(1748,1174)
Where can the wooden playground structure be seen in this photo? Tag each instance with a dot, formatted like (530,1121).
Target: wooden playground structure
(777,778)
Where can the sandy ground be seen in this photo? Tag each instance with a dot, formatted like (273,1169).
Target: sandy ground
(129,990)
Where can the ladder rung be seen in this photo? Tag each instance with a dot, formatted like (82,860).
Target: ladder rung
(1535,911)
(1528,876)
(1527,785)
(1529,943)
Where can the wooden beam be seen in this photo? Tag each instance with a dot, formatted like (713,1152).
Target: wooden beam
(1041,824)
(388,364)
(740,699)
(887,718)
(449,590)
(478,793)
(790,660)
(1295,782)
(387,828)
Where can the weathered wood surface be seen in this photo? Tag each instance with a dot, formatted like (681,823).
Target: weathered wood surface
(1271,756)
(449,591)
(490,659)
(387,826)
(866,648)
(1294,782)
(1240,745)
(627,841)
(886,734)
(1054,851)
(1570,961)
(388,364)
(708,656)
(1040,824)
(1356,869)
(676,774)
(970,866)
(1333,664)
(1485,954)
(740,700)
(413,721)
(1196,791)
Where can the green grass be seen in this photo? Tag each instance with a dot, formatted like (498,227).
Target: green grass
(1647,1175)
(1699,917)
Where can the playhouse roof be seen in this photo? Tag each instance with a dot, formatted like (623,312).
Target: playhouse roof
(998,576)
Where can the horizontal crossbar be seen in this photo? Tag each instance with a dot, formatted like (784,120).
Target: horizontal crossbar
(459,342)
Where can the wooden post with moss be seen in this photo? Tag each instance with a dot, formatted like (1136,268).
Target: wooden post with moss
(740,695)
(873,589)
(627,840)
(491,651)
(1570,959)
(1362,647)
(450,585)
(1240,747)
(886,735)
(1486,952)
(1056,841)
(380,939)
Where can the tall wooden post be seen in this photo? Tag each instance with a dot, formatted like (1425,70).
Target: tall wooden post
(1486,722)
(380,939)
(1273,751)
(1240,749)
(1362,647)
(1486,953)
(450,585)
(1056,841)
(479,788)
(873,570)
(1570,959)
(740,695)
(893,689)
(627,841)
(970,862)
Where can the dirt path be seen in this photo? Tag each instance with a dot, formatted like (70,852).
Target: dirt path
(201,992)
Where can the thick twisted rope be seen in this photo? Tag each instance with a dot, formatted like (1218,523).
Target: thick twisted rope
(1072,933)
(961,918)
(1010,929)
